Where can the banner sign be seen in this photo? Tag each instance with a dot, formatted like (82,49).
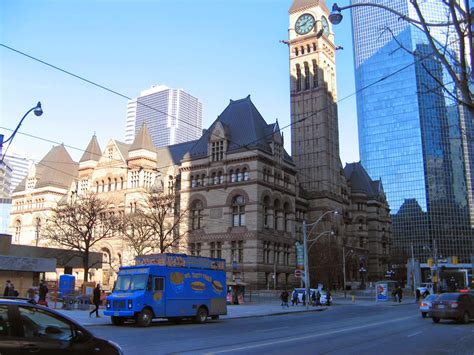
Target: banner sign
(300,257)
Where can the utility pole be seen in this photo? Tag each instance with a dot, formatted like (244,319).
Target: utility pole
(344,268)
(413,267)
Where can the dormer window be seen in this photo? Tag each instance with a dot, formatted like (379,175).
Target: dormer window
(277,152)
(217,150)
(110,154)
(31,183)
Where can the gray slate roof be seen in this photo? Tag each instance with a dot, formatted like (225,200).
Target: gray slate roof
(142,140)
(245,127)
(361,182)
(304,4)
(174,152)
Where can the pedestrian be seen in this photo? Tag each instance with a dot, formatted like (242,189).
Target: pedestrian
(31,293)
(318,298)
(394,294)
(11,291)
(42,293)
(418,295)
(328,298)
(313,298)
(399,294)
(426,293)
(6,292)
(96,301)
(284,299)
(304,298)
(294,298)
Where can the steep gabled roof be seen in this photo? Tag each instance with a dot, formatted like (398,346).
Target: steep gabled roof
(246,129)
(56,169)
(93,151)
(174,152)
(360,181)
(123,147)
(143,140)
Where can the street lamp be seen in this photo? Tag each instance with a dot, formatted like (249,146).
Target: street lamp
(362,271)
(306,256)
(38,112)
(335,17)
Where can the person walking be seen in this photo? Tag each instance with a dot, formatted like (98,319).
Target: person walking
(284,299)
(304,298)
(318,298)
(418,295)
(328,298)
(6,292)
(11,291)
(294,298)
(313,298)
(42,293)
(96,301)
(399,294)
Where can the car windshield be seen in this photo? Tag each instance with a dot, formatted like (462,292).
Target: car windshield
(430,297)
(448,297)
(131,282)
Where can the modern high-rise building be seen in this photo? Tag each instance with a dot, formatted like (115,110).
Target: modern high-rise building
(19,166)
(171,115)
(412,135)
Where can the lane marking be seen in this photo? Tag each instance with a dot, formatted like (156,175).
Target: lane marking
(306,337)
(412,335)
(269,329)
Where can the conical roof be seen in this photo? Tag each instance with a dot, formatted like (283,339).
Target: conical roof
(143,140)
(93,151)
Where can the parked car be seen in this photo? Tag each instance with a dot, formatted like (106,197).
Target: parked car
(425,304)
(457,306)
(28,327)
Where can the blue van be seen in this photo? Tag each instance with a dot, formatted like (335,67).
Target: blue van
(172,286)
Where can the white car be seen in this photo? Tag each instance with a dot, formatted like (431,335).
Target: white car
(425,286)
(426,304)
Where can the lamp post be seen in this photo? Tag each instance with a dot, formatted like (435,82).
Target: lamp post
(344,255)
(38,112)
(305,245)
(362,271)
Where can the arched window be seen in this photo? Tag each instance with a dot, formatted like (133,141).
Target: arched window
(193,182)
(103,186)
(306,76)
(97,187)
(221,177)
(196,214)
(214,179)
(121,183)
(302,49)
(287,217)
(266,212)
(239,175)
(298,77)
(203,180)
(233,176)
(308,48)
(276,212)
(115,184)
(315,74)
(246,174)
(238,211)
(17,230)
(110,184)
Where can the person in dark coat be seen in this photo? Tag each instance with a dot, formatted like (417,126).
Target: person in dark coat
(6,292)
(418,295)
(96,301)
(399,294)
(328,298)
(294,298)
(304,298)
(318,298)
(42,293)
(284,298)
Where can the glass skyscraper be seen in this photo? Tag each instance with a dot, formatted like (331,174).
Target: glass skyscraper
(411,134)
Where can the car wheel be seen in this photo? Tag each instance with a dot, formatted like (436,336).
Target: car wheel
(118,320)
(201,315)
(144,318)
(435,319)
(423,314)
(465,318)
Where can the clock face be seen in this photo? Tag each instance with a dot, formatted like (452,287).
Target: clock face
(304,24)
(325,25)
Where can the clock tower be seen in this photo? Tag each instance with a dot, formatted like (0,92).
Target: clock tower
(314,130)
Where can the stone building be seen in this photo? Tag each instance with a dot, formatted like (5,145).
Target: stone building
(247,197)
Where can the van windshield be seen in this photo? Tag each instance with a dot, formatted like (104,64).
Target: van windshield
(135,282)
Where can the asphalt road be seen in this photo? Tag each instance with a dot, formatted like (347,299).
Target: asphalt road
(350,329)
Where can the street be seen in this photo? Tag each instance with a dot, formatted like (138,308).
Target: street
(342,329)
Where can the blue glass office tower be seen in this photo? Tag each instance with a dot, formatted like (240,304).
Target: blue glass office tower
(411,134)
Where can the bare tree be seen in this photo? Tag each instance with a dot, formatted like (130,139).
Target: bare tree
(164,216)
(79,224)
(137,233)
(451,43)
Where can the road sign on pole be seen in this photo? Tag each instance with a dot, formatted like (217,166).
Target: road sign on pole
(299,273)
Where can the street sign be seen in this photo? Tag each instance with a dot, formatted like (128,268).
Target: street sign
(299,273)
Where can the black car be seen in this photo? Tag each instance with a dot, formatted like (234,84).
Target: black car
(456,306)
(27,328)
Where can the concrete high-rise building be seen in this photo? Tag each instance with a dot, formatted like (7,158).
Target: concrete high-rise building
(411,133)
(172,116)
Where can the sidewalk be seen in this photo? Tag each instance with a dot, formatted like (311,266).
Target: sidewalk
(252,309)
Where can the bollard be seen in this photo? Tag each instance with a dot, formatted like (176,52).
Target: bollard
(353,299)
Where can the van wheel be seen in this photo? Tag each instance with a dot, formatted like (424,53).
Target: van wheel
(423,314)
(465,318)
(435,319)
(201,315)
(118,320)
(144,318)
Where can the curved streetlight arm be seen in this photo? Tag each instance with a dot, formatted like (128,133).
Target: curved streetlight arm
(38,112)
(314,224)
(331,233)
(336,12)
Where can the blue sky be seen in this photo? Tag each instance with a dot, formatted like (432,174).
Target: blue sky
(214,49)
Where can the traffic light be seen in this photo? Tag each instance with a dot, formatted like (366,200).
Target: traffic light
(454,260)
(430,262)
